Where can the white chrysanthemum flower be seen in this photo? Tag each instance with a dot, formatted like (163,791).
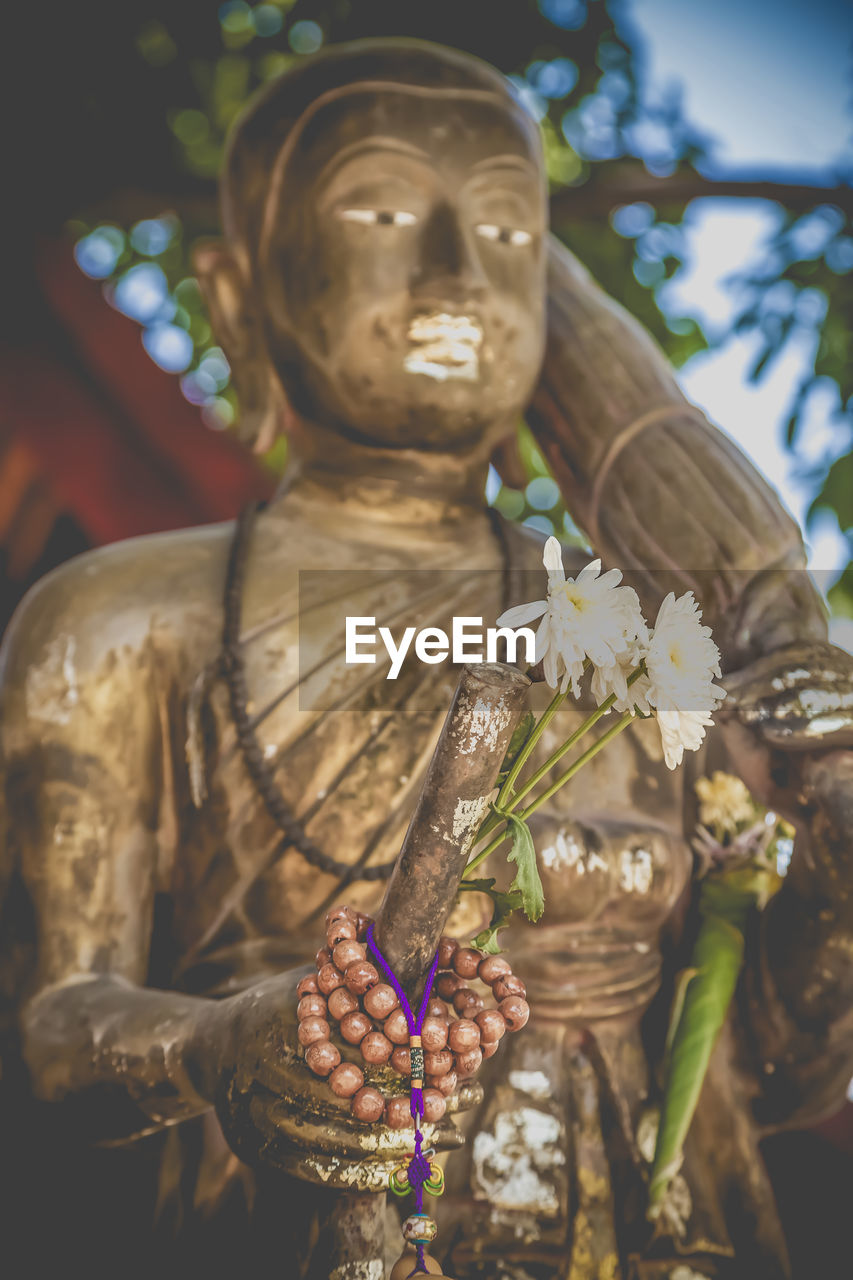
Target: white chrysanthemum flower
(680,663)
(589,616)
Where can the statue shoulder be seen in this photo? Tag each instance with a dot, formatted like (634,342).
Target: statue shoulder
(112,601)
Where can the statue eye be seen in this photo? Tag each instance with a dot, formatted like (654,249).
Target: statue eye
(503,235)
(379,217)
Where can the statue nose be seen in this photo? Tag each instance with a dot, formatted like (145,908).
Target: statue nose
(448,261)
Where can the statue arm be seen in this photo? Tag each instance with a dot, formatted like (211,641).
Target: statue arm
(659,491)
(81,763)
(670,499)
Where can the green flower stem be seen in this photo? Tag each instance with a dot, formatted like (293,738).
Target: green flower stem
(573,768)
(505,793)
(524,754)
(591,720)
(560,782)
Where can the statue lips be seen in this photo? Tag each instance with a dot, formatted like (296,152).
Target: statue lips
(444,346)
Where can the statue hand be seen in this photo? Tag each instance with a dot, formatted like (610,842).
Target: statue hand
(273,1110)
(787,721)
(793,702)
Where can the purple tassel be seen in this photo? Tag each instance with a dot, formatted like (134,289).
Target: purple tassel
(418,1170)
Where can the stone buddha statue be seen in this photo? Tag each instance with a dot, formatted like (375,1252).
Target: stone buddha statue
(388,295)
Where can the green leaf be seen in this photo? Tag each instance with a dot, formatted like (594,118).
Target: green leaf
(522,732)
(701,1004)
(503,905)
(526,881)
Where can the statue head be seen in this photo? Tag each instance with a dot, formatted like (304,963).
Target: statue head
(382,274)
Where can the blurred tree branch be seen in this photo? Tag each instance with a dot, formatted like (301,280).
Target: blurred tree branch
(631,183)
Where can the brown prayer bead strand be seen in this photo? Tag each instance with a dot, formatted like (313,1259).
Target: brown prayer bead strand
(329,978)
(348,989)
(342,1002)
(355,1026)
(311,1006)
(398,1113)
(401,1060)
(380,1001)
(322,1057)
(368,1105)
(360,977)
(515,1012)
(492,1026)
(376,1049)
(346,953)
(492,968)
(509,985)
(466,962)
(341,931)
(346,1080)
(312,1030)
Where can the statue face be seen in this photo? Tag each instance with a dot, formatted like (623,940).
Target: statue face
(403,266)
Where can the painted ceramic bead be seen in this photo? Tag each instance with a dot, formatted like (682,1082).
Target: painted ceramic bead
(419,1228)
(307,986)
(489,1048)
(447,948)
(322,957)
(436,1008)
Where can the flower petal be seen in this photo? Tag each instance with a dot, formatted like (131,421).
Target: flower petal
(552,558)
(522,613)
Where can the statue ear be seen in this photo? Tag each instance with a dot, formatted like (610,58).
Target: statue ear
(237,322)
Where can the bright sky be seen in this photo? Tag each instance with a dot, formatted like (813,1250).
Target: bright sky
(771,81)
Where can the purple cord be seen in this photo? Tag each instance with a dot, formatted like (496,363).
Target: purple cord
(418,1171)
